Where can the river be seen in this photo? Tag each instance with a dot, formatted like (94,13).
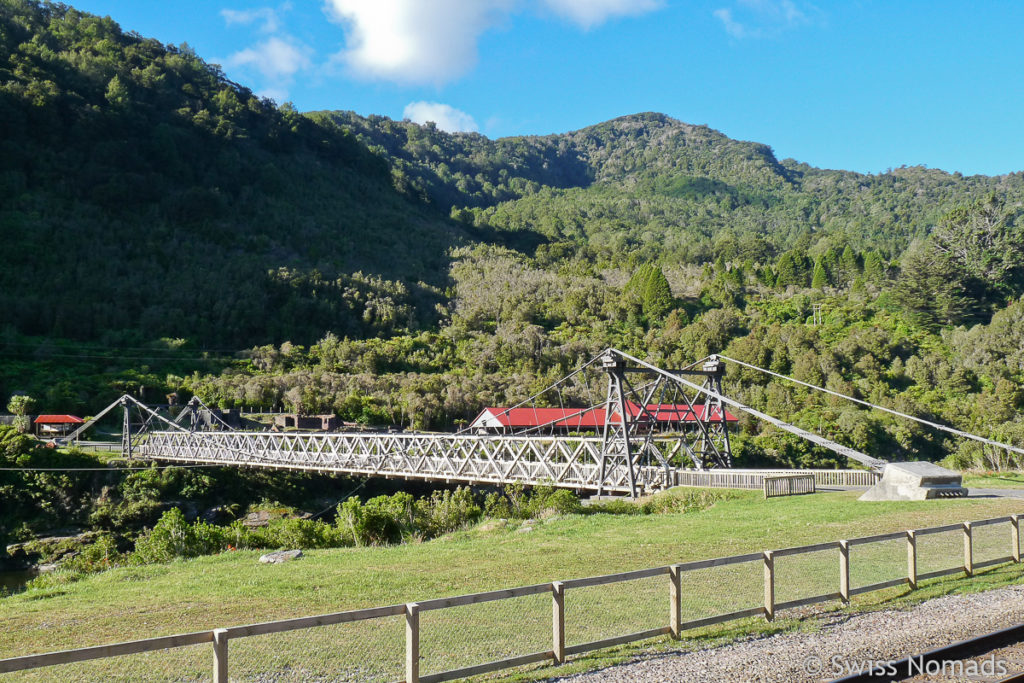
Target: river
(12,582)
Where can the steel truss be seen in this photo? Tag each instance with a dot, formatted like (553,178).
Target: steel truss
(633,454)
(560,461)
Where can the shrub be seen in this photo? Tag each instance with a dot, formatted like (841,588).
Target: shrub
(287,533)
(446,511)
(515,503)
(173,537)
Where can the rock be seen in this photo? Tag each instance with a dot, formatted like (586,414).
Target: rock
(218,515)
(280,556)
(262,518)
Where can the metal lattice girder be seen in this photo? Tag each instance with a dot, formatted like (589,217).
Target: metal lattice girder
(565,462)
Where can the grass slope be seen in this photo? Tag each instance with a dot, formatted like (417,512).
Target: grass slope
(233,588)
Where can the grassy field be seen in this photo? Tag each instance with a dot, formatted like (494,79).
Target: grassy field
(994,480)
(233,588)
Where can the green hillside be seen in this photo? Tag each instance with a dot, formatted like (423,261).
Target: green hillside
(143,195)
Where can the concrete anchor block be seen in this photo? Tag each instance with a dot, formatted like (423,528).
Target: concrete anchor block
(916,481)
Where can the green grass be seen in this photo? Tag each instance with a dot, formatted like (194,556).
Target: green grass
(232,588)
(994,480)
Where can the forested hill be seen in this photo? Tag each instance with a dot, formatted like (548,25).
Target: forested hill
(143,195)
(660,189)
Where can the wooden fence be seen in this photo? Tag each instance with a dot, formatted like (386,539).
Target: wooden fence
(772,564)
(754,479)
(789,485)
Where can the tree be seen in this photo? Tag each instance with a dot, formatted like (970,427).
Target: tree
(984,244)
(21,406)
(794,268)
(820,279)
(117,93)
(649,288)
(849,264)
(874,268)
(931,287)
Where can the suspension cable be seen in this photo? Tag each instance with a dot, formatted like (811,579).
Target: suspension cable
(934,425)
(851,453)
(543,391)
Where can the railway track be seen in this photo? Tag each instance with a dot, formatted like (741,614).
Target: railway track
(997,656)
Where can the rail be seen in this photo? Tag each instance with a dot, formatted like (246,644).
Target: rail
(786,578)
(734,478)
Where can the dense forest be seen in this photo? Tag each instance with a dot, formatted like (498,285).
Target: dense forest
(168,230)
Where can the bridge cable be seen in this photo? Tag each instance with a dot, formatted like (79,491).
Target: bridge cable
(342,499)
(543,391)
(851,453)
(935,425)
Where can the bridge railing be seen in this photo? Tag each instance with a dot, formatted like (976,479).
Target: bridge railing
(448,638)
(735,478)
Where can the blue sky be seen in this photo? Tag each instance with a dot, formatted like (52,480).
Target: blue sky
(860,85)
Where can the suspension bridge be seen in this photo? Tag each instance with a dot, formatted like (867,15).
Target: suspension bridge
(630,428)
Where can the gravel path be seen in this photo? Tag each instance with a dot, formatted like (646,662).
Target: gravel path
(808,656)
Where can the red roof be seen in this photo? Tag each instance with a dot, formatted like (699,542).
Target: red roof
(663,413)
(58,420)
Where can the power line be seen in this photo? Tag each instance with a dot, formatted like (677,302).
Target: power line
(114,356)
(64,345)
(98,469)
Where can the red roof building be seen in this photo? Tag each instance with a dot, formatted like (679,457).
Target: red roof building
(579,419)
(56,425)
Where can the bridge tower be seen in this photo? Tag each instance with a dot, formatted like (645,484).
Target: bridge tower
(713,447)
(616,445)
(633,414)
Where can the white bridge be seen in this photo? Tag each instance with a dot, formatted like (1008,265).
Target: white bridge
(654,430)
(564,462)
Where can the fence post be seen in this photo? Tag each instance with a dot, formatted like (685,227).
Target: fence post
(558,621)
(844,571)
(769,586)
(1015,537)
(912,559)
(412,643)
(220,655)
(968,550)
(675,598)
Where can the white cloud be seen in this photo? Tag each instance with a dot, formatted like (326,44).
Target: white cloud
(590,13)
(265,16)
(276,58)
(762,18)
(278,94)
(446,117)
(732,27)
(412,41)
(435,41)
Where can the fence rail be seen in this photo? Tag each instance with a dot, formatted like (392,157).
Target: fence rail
(773,566)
